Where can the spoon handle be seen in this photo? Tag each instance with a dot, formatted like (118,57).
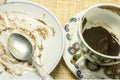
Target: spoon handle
(43,74)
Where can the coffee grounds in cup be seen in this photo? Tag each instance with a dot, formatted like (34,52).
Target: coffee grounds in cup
(99,39)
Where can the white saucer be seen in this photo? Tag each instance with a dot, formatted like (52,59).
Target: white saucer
(54,46)
(82,68)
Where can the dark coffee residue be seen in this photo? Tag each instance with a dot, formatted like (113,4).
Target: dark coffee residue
(84,22)
(112,8)
(102,41)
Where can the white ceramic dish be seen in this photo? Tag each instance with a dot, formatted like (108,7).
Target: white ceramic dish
(54,46)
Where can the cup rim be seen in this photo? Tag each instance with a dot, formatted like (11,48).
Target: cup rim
(81,36)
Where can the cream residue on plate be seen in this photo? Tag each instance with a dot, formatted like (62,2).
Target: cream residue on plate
(35,30)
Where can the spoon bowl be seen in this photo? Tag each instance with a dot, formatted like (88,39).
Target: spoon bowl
(21,49)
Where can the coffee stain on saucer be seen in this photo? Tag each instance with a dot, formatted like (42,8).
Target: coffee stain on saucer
(41,21)
(36,31)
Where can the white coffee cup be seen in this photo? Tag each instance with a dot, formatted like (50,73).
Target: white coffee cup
(107,16)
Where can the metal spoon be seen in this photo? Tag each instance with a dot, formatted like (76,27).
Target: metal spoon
(21,49)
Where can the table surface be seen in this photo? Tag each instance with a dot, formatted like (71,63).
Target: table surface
(64,10)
